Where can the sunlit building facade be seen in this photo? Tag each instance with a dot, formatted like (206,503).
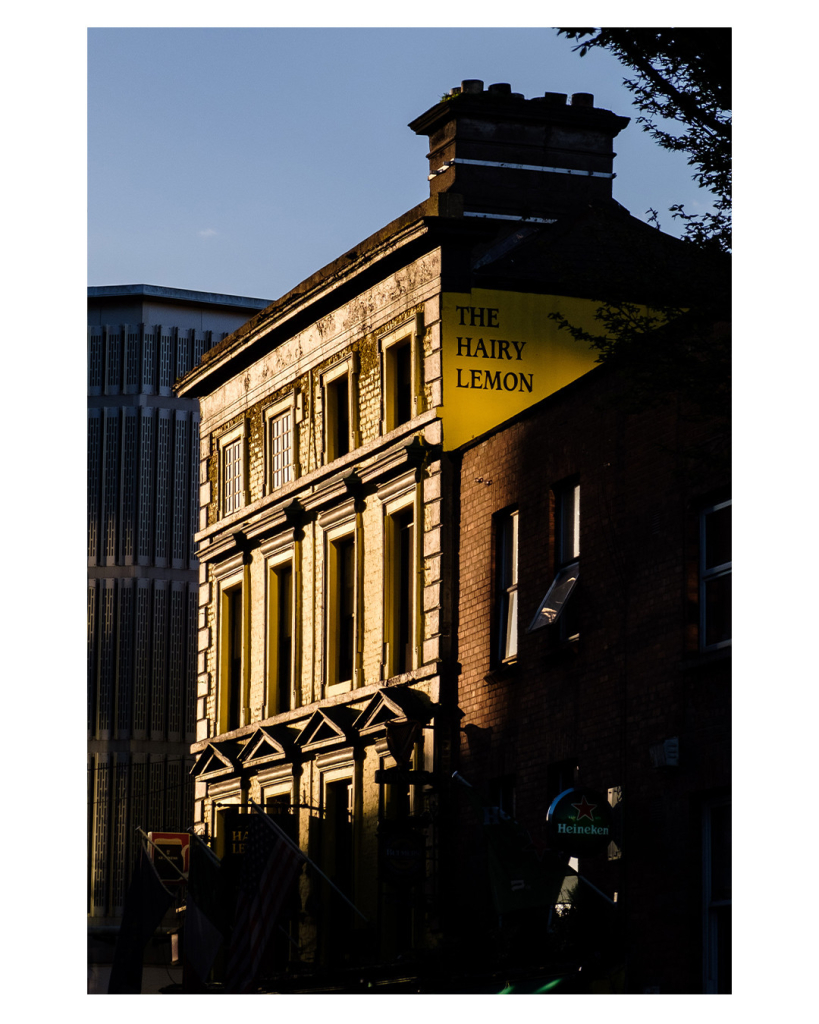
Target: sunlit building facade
(335,431)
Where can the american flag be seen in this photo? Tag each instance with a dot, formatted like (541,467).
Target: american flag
(270,866)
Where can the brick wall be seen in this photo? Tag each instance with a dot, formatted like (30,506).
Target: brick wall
(634,677)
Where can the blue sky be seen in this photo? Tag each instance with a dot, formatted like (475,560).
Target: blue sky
(230,133)
(241,160)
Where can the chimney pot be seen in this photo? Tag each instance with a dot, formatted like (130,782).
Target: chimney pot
(456,91)
(505,156)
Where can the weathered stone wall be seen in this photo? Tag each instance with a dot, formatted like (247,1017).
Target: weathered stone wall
(296,365)
(411,298)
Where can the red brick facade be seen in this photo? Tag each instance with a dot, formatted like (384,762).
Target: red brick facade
(633,679)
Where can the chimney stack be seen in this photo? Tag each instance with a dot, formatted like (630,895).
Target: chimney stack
(512,157)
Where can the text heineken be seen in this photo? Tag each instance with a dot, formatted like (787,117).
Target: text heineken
(579,822)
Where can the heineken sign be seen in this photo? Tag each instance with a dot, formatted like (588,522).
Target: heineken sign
(402,853)
(579,822)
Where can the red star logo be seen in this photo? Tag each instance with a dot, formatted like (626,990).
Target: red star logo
(584,809)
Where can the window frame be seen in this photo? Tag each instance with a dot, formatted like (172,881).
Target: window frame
(274,567)
(714,907)
(227,585)
(567,553)
(276,786)
(565,580)
(222,800)
(276,783)
(502,794)
(392,795)
(331,778)
(329,384)
(334,537)
(334,858)
(235,436)
(708,573)
(409,334)
(507,610)
(567,560)
(393,583)
(272,415)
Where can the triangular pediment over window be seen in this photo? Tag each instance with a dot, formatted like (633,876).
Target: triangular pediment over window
(215,761)
(263,747)
(391,705)
(325,728)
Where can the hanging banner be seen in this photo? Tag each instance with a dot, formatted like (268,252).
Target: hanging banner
(177,848)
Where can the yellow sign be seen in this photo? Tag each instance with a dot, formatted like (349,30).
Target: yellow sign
(502,353)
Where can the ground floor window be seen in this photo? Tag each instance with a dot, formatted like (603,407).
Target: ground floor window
(338,864)
(716,861)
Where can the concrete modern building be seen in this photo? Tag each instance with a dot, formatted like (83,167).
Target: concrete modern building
(336,427)
(143,461)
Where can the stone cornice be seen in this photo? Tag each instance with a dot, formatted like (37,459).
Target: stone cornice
(306,298)
(298,718)
(303,499)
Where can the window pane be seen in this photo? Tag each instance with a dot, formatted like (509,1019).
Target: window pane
(717,593)
(346,613)
(233,475)
(338,412)
(234,657)
(721,852)
(717,893)
(717,538)
(556,597)
(403,591)
(568,513)
(508,562)
(511,640)
(560,776)
(502,794)
(284,658)
(337,856)
(722,919)
(507,583)
(281,449)
(403,382)
(279,806)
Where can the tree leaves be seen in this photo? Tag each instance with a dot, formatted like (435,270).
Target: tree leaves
(683,76)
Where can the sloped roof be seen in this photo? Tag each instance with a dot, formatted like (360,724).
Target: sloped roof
(595,250)
(600,251)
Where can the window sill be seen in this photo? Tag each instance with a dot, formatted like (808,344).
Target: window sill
(562,648)
(503,673)
(701,658)
(333,689)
